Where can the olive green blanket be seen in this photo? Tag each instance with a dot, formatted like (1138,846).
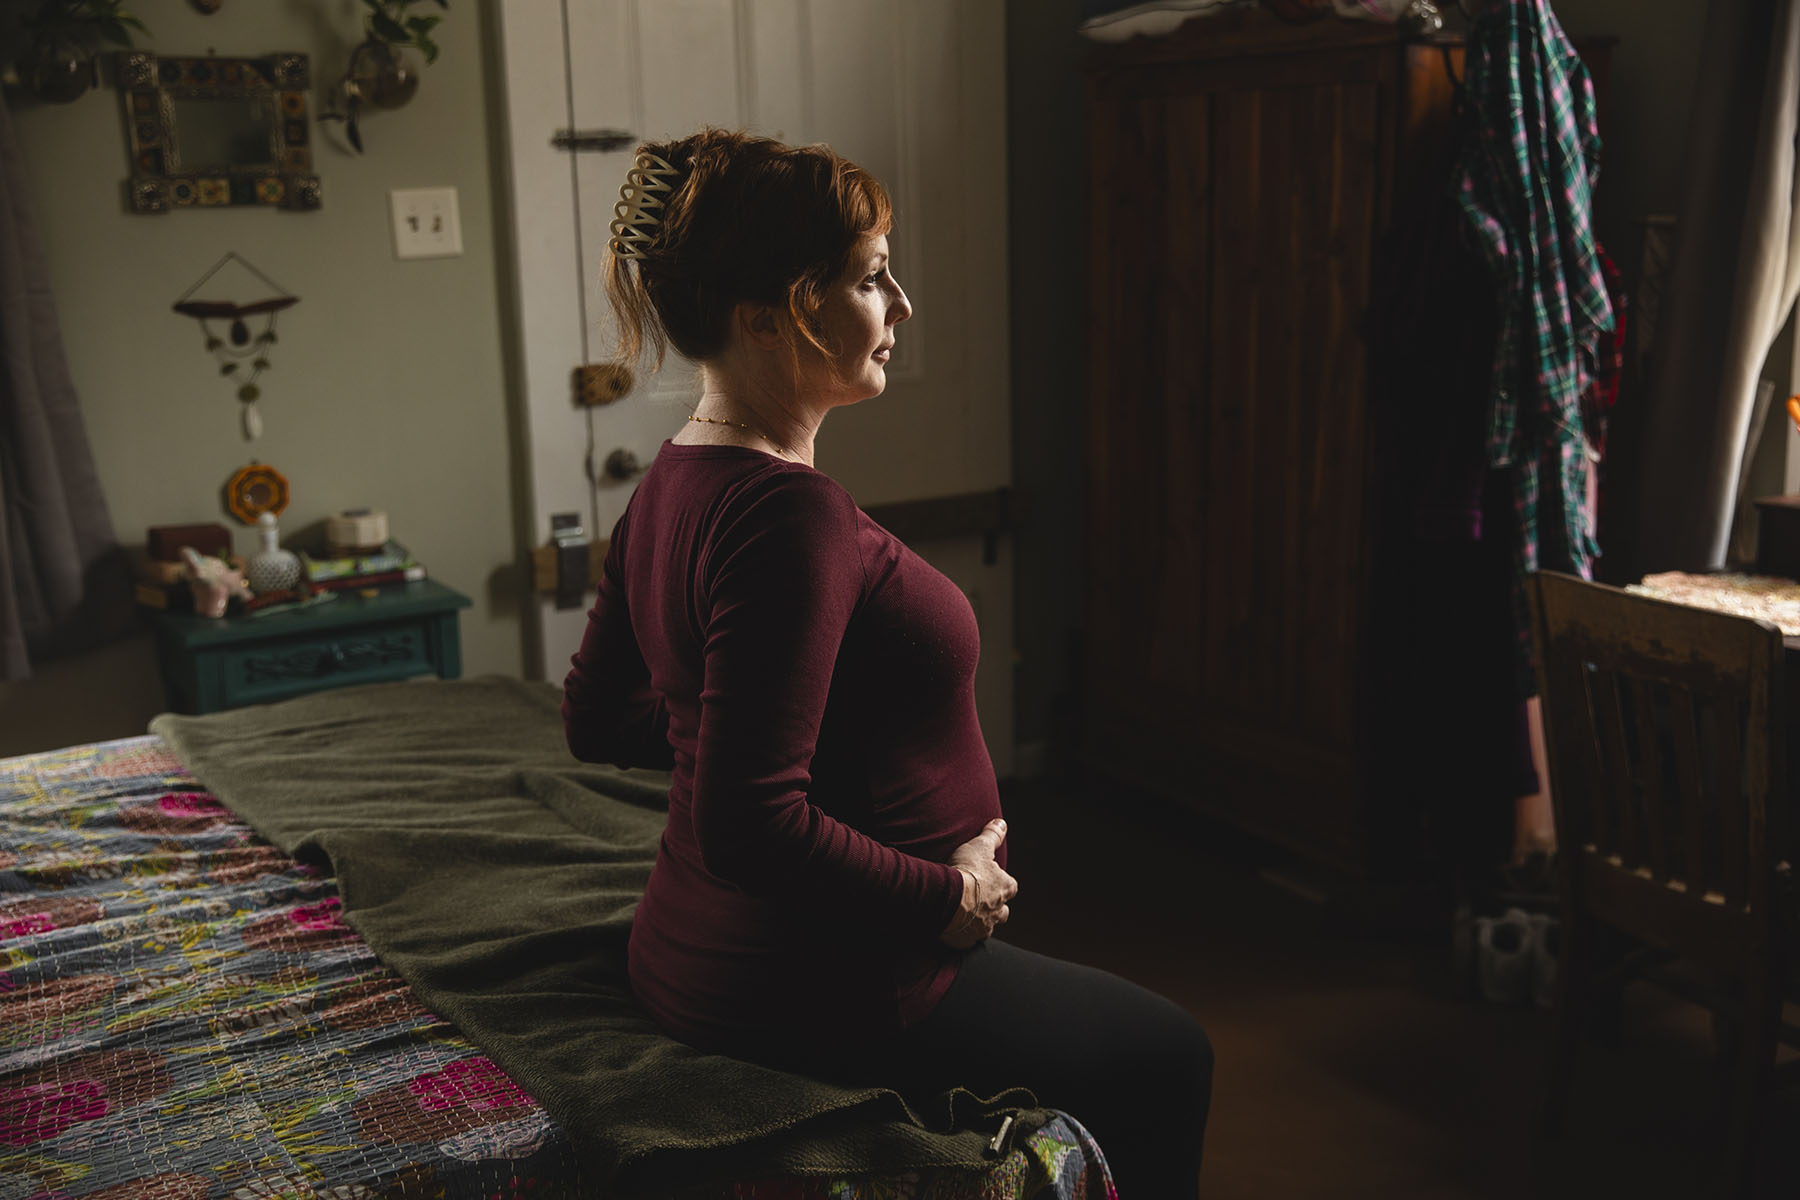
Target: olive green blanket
(498,876)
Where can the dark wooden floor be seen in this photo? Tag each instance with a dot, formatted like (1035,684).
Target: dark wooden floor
(1348,1064)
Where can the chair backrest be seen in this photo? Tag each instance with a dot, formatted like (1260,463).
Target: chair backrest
(1666,737)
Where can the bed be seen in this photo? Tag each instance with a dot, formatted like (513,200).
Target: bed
(224,974)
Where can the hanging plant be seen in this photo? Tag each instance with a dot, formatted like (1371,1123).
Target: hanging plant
(390,24)
(380,74)
(59,40)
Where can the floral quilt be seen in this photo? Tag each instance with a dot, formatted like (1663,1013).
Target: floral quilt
(183,1016)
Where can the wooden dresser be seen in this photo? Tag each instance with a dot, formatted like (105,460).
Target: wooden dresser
(394,632)
(1241,173)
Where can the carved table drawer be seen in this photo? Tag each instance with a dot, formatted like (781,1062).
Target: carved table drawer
(400,632)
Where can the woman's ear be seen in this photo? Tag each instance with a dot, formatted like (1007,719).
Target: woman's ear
(761,325)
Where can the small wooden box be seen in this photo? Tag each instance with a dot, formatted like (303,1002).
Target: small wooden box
(1778,536)
(164,542)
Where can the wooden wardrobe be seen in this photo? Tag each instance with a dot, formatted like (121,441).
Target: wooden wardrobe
(1241,172)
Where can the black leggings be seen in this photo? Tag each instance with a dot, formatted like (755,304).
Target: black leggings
(1132,1067)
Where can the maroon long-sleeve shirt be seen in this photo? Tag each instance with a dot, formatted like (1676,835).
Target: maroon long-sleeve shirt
(810,682)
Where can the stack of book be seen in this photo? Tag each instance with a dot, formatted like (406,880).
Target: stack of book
(163,585)
(162,580)
(393,563)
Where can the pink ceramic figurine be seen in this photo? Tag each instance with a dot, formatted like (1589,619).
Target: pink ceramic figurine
(214,582)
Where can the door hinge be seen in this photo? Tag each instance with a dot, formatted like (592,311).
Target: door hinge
(591,139)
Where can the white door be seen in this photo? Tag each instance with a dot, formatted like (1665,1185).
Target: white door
(914,92)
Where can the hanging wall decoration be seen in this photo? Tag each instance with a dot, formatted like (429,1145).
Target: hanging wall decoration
(210,132)
(254,490)
(380,74)
(242,351)
(54,47)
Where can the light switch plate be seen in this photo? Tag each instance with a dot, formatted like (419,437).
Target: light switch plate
(426,223)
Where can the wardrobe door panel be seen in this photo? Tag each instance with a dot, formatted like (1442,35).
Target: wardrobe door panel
(1145,556)
(1234,203)
(1294,200)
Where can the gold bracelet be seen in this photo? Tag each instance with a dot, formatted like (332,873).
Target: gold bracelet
(975,914)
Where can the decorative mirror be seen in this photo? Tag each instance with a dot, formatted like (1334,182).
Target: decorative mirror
(214,131)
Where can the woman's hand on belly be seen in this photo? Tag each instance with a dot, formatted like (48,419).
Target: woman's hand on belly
(987,889)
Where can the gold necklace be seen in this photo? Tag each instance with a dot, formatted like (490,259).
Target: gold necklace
(779,448)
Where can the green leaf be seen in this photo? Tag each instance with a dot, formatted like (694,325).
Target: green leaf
(428,47)
(421,26)
(388,29)
(112,30)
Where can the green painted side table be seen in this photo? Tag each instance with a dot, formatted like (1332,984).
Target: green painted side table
(407,629)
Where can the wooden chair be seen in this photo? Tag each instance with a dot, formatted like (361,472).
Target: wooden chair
(1666,736)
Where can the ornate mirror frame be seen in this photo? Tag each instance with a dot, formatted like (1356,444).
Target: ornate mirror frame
(273,86)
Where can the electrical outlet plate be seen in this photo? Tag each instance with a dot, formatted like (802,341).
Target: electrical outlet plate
(426,223)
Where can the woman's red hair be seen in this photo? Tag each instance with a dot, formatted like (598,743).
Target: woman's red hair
(751,220)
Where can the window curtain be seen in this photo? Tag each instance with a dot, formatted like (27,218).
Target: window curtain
(1735,276)
(65,583)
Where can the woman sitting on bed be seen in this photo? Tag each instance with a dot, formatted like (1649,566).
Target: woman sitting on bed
(834,865)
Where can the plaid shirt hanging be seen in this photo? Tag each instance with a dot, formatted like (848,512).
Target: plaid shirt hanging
(1525,182)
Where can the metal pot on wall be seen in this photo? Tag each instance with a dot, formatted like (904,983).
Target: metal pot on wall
(57,71)
(382,75)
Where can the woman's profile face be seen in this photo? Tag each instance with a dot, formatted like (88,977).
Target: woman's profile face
(857,320)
